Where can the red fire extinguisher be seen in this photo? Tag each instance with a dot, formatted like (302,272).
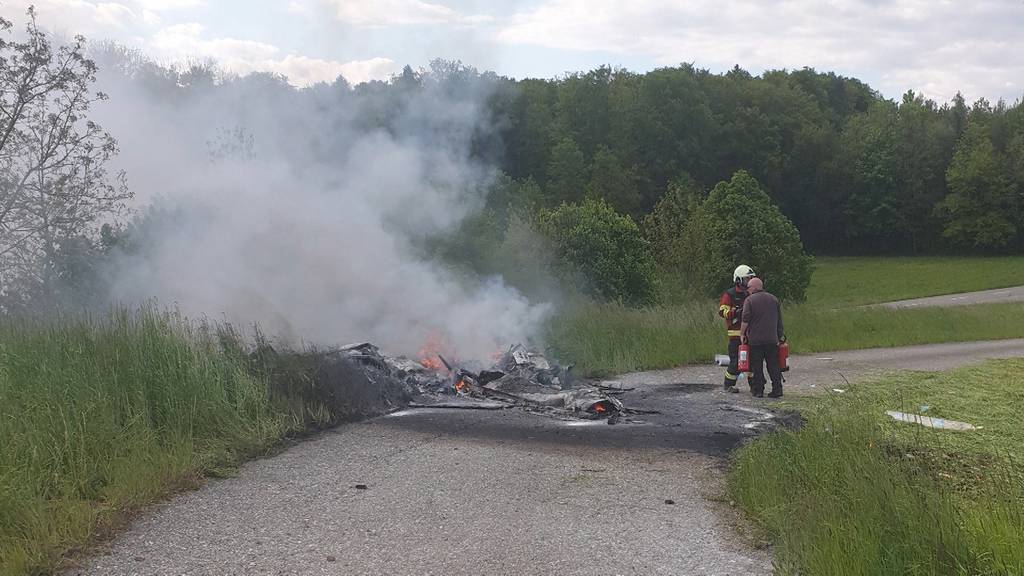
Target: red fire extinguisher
(743,364)
(784,356)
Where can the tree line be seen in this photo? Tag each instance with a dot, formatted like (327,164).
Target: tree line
(856,172)
(611,179)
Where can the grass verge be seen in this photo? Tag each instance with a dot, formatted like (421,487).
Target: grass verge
(839,282)
(854,493)
(612,339)
(99,418)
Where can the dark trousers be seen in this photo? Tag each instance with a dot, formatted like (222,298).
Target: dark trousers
(760,355)
(733,371)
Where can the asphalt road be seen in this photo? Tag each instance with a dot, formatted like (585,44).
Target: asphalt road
(499,492)
(999,296)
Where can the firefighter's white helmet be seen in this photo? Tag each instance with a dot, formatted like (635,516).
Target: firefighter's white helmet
(742,274)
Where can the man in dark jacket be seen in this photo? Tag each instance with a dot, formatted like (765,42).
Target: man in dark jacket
(761,329)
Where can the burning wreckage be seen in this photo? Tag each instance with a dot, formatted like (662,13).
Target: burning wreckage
(521,377)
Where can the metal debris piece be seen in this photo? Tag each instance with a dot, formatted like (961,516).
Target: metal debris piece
(928,421)
(364,347)
(471,405)
(405,365)
(523,357)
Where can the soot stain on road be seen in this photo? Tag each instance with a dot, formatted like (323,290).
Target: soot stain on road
(691,417)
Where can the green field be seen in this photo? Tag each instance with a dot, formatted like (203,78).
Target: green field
(841,282)
(604,339)
(612,339)
(855,493)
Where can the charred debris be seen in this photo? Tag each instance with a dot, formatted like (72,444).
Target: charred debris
(520,378)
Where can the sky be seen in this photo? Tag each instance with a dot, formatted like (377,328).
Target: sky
(934,47)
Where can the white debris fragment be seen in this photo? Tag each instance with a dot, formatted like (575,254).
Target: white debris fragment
(839,390)
(522,356)
(938,423)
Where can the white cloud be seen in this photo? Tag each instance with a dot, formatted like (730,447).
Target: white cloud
(113,14)
(398,12)
(151,18)
(125,19)
(184,41)
(76,16)
(162,5)
(300,8)
(935,47)
(96,18)
(303,71)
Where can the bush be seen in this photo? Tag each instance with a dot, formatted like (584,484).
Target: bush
(606,248)
(738,224)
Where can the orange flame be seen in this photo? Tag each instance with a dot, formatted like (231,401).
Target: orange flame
(430,351)
(434,364)
(599,408)
(460,385)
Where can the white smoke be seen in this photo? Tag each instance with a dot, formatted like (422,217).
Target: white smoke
(298,211)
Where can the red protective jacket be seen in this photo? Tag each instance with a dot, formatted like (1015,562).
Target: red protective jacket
(730,307)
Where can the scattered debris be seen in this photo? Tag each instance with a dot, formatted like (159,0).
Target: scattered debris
(766,421)
(721,359)
(361,487)
(928,421)
(521,377)
(670,502)
(839,390)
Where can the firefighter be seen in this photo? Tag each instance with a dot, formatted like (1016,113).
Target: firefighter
(730,307)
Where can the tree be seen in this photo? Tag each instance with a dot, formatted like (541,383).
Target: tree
(606,248)
(610,182)
(54,185)
(567,172)
(665,227)
(924,147)
(868,162)
(981,210)
(738,224)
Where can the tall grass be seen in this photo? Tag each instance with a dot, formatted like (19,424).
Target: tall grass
(854,494)
(610,339)
(98,417)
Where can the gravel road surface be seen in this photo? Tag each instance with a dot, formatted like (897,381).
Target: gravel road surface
(441,491)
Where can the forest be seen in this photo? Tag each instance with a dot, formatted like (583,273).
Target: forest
(610,174)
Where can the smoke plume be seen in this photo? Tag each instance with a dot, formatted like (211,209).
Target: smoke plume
(307,211)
